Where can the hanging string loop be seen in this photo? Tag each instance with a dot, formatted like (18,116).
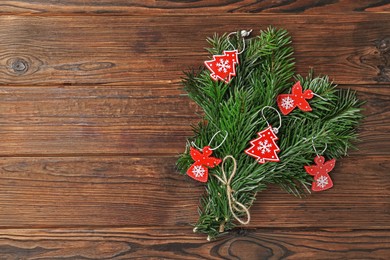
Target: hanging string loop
(211,140)
(275,129)
(244,34)
(314,147)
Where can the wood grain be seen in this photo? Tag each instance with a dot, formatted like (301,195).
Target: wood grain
(92,115)
(147,191)
(123,7)
(178,243)
(127,50)
(68,120)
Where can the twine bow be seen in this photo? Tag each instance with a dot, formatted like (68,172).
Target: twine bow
(234,205)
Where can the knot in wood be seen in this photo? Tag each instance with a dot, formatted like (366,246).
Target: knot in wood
(383,45)
(19,66)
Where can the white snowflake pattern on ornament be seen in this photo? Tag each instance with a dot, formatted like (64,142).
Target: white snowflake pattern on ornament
(264,147)
(223,65)
(322,182)
(287,103)
(198,171)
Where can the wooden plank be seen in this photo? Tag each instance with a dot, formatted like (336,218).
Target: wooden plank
(178,243)
(127,191)
(124,7)
(131,120)
(94,120)
(126,50)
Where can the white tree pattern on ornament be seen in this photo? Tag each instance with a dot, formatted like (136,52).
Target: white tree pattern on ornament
(264,147)
(198,171)
(223,65)
(287,103)
(322,182)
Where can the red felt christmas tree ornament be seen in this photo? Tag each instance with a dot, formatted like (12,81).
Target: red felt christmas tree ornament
(264,148)
(223,67)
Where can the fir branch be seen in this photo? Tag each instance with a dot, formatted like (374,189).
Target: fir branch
(266,69)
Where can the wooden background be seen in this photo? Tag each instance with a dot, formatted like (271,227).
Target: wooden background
(92,119)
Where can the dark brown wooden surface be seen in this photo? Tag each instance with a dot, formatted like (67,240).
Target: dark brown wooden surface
(141,191)
(125,7)
(135,50)
(175,243)
(100,120)
(92,117)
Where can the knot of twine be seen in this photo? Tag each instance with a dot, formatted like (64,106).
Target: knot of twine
(234,205)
